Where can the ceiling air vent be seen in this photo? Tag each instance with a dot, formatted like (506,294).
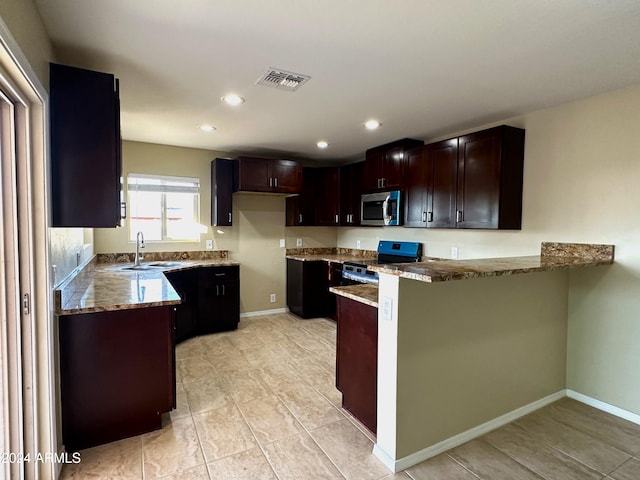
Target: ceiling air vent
(282,79)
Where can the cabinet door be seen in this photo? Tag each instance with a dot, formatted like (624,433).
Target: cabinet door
(373,167)
(218,290)
(416,185)
(253,174)
(327,199)
(285,176)
(478,192)
(301,209)
(308,288)
(185,282)
(86,159)
(393,168)
(441,197)
(351,179)
(221,192)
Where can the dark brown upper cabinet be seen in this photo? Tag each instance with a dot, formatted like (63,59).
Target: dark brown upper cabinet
(384,165)
(431,183)
(268,175)
(350,192)
(327,199)
(222,192)
(490,174)
(300,209)
(86,148)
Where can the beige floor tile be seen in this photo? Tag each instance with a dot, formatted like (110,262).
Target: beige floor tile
(440,467)
(350,450)
(194,369)
(404,476)
(121,460)
(270,420)
(584,448)
(247,386)
(299,458)
(249,465)
(189,348)
(182,406)
(309,407)
(486,461)
(223,432)
(628,471)
(538,456)
(619,433)
(173,449)
(196,473)
(246,340)
(208,394)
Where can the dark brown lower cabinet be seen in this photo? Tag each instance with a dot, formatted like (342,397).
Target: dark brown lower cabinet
(357,359)
(308,293)
(117,374)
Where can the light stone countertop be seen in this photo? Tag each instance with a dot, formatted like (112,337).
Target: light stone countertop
(363,293)
(105,286)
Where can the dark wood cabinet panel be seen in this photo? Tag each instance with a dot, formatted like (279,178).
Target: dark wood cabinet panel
(442,181)
(384,165)
(86,158)
(185,282)
(218,299)
(300,209)
(351,181)
(222,192)
(308,288)
(357,359)
(117,374)
(490,169)
(327,199)
(268,175)
(416,188)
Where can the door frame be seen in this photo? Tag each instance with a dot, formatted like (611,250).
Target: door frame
(33,364)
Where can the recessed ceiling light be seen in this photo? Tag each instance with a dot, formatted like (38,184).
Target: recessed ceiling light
(372,124)
(207,128)
(322,144)
(233,99)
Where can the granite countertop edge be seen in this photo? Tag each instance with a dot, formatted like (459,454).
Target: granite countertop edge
(102,285)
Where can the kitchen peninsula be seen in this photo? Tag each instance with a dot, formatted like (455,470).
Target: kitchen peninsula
(465,346)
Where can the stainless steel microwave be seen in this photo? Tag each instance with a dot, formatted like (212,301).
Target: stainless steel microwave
(379,209)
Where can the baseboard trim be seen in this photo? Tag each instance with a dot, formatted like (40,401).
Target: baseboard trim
(452,442)
(605,407)
(263,312)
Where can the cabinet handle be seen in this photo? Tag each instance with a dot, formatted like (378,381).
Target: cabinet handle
(337,218)
(424,216)
(222,289)
(220,274)
(383,181)
(275,181)
(300,218)
(229,217)
(458,215)
(429,216)
(218,290)
(123,209)
(270,182)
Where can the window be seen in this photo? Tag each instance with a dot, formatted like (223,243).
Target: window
(164,208)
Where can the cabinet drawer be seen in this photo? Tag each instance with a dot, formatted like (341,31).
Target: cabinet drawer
(213,275)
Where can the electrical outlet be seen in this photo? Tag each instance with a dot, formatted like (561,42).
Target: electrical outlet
(454,252)
(387,306)
(298,242)
(357,243)
(209,244)
(282,244)
(272,298)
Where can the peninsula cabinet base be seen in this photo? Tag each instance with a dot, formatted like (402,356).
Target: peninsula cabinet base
(117,374)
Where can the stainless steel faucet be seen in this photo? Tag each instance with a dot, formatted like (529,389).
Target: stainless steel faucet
(139,245)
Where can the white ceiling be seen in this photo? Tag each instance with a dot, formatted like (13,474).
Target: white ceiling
(424,68)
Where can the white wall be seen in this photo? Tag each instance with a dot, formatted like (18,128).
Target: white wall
(581,184)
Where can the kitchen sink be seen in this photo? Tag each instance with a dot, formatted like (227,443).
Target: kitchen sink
(148,266)
(165,264)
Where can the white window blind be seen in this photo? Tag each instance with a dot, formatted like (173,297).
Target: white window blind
(164,208)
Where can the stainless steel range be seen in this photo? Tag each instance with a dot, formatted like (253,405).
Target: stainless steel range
(388,252)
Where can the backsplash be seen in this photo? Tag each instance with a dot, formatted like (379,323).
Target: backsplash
(128,257)
(68,249)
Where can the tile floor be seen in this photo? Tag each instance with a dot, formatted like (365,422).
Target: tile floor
(260,403)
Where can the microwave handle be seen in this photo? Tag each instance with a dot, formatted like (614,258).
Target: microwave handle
(386,214)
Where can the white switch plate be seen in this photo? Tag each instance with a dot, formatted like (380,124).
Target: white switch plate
(209,244)
(282,243)
(454,252)
(387,306)
(298,242)
(357,243)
